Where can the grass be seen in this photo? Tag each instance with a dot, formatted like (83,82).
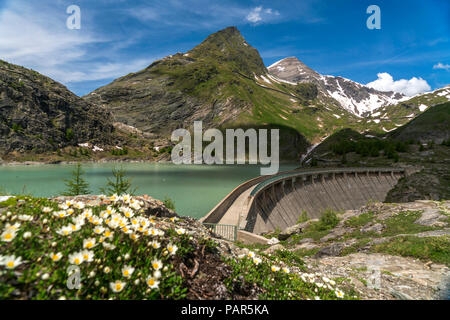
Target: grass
(403,223)
(360,220)
(317,229)
(427,248)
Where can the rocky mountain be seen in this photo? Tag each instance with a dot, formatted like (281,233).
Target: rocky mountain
(37,113)
(224,83)
(352,96)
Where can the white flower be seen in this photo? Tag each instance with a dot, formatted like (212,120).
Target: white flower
(257,261)
(114,198)
(8,235)
(25,217)
(65,231)
(155,244)
(79,205)
(87,213)
(55,256)
(127,271)
(68,203)
(339,293)
(286,270)
(117,286)
(152,282)
(88,256)
(251,254)
(27,235)
(47,209)
(76,258)
(275,268)
(172,248)
(317,298)
(60,214)
(127,256)
(10,262)
(89,243)
(99,229)
(107,269)
(157,264)
(45,276)
(108,246)
(180,231)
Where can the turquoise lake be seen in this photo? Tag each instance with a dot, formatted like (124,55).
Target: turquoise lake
(195,189)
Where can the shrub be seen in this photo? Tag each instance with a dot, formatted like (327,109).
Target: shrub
(328,220)
(169,204)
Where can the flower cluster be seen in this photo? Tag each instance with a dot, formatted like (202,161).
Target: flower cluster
(115,244)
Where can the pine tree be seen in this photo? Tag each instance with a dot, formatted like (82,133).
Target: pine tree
(121,185)
(76,185)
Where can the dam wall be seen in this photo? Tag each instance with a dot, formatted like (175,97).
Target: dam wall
(277,203)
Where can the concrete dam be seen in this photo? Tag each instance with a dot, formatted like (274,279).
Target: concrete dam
(276,202)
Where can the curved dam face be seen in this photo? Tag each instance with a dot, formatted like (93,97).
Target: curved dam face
(277,203)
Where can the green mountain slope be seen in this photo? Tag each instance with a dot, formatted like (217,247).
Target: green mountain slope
(224,83)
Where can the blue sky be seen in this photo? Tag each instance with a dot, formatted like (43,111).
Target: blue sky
(118,37)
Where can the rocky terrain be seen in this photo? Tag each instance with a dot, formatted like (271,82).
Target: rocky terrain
(37,113)
(387,251)
(134,248)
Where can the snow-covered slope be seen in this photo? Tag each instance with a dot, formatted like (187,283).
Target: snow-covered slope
(352,96)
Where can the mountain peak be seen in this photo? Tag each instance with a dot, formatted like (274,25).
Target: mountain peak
(292,69)
(229,46)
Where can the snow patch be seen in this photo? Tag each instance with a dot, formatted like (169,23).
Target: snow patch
(423,107)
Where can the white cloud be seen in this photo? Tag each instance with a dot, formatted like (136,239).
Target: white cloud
(44,43)
(259,14)
(410,87)
(442,66)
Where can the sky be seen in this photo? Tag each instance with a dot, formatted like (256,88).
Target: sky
(410,53)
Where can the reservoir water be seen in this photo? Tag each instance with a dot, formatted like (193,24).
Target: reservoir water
(195,189)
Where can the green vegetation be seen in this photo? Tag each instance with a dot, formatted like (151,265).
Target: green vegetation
(370,147)
(317,229)
(303,217)
(16,127)
(360,220)
(403,223)
(77,185)
(119,185)
(119,152)
(276,283)
(69,134)
(427,248)
(169,203)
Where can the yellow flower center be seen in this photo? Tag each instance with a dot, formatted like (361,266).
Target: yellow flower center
(125,273)
(155,265)
(77,261)
(89,245)
(151,282)
(8,236)
(118,286)
(10,264)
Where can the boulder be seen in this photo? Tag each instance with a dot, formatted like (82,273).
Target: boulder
(298,228)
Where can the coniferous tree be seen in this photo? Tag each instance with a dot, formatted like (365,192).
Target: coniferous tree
(77,185)
(119,185)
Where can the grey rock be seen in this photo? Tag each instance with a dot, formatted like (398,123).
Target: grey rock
(378,227)
(298,228)
(333,250)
